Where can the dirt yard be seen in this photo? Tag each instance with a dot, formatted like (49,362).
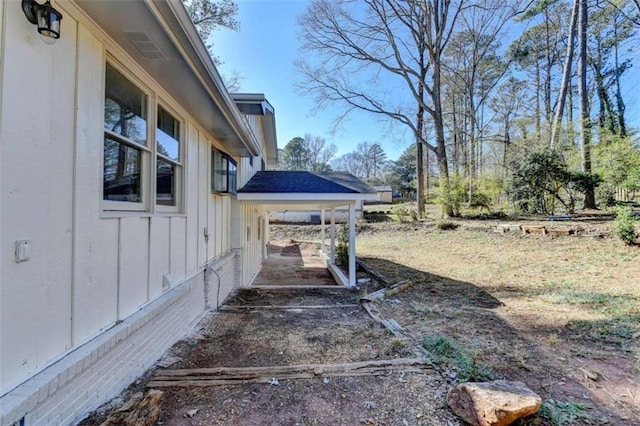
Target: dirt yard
(559,313)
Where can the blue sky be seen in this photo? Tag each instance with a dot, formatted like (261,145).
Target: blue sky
(264,52)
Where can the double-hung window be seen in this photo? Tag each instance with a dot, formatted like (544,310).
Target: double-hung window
(125,142)
(168,159)
(133,166)
(224,173)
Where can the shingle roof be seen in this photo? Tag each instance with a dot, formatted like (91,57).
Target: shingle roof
(273,182)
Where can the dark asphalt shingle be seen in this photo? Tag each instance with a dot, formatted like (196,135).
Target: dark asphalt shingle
(274,182)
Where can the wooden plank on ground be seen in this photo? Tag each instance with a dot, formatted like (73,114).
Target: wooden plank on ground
(395,328)
(533,229)
(383,292)
(222,376)
(369,270)
(188,382)
(242,308)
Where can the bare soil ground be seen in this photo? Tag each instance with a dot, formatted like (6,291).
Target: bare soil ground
(561,314)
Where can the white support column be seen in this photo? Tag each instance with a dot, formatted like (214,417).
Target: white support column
(332,258)
(352,244)
(322,231)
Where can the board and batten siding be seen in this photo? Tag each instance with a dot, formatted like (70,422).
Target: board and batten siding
(255,124)
(37,172)
(254,242)
(88,269)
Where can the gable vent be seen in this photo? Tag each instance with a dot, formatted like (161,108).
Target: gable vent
(145,45)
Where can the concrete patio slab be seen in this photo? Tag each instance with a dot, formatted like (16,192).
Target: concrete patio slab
(293,264)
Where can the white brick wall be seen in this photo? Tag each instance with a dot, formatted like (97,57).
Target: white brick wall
(221,272)
(89,376)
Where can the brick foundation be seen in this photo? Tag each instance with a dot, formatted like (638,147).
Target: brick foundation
(92,374)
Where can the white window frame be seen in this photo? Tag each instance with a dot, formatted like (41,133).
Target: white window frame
(145,151)
(149,154)
(179,165)
(229,160)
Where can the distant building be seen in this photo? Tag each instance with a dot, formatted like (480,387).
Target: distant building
(385,193)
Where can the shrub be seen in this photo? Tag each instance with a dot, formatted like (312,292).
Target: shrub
(606,195)
(401,213)
(624,225)
(342,249)
(542,180)
(480,201)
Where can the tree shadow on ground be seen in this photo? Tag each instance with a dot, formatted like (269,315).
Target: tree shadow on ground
(442,309)
(439,288)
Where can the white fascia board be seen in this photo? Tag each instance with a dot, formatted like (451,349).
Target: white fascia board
(301,197)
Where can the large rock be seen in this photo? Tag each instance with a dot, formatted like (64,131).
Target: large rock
(496,403)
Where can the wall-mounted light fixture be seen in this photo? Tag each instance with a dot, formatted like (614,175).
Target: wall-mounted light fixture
(45,17)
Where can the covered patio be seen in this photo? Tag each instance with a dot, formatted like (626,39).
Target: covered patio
(295,265)
(314,191)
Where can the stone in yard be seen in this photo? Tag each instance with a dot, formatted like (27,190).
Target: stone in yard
(497,403)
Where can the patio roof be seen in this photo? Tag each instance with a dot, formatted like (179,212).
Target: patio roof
(305,190)
(283,190)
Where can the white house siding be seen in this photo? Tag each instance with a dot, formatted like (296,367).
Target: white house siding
(252,253)
(301,216)
(103,294)
(37,143)
(255,124)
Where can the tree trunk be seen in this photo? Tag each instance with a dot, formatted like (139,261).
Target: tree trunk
(507,142)
(441,150)
(585,121)
(456,139)
(548,71)
(571,130)
(620,107)
(538,129)
(566,75)
(420,176)
(427,176)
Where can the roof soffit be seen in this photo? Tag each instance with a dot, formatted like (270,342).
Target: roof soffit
(174,62)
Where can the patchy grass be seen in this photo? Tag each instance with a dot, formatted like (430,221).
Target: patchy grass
(607,329)
(560,413)
(534,308)
(466,365)
(551,280)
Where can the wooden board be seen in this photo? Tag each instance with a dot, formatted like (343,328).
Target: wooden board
(242,308)
(223,376)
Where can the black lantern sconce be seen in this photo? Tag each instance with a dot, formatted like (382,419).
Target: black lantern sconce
(45,17)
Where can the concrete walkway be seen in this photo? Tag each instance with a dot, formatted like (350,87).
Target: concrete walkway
(293,264)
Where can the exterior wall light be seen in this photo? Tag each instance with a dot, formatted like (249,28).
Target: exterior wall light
(45,17)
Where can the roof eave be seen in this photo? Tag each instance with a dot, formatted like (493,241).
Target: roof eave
(267,111)
(198,52)
(302,197)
